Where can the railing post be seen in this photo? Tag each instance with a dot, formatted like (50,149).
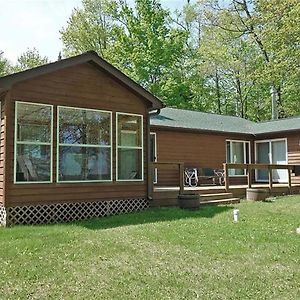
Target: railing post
(226,177)
(270,178)
(181,171)
(249,175)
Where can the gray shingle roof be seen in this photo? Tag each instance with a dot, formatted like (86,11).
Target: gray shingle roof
(188,119)
(277,125)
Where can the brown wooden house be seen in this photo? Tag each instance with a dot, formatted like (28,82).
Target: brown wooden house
(74,142)
(205,140)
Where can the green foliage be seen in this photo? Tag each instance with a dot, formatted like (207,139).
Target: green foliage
(29,59)
(211,55)
(4,65)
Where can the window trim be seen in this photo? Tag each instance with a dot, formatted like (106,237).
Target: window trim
(244,146)
(130,147)
(58,144)
(16,143)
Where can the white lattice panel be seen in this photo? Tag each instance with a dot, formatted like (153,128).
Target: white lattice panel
(2,215)
(66,212)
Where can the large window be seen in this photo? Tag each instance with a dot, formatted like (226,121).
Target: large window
(129,147)
(84,145)
(33,143)
(237,152)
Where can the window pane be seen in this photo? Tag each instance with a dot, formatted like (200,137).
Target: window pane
(33,163)
(81,126)
(129,164)
(33,122)
(129,130)
(82,163)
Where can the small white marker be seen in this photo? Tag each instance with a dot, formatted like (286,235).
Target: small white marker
(236,213)
(298,230)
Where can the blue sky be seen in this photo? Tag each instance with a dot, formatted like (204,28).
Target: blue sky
(36,23)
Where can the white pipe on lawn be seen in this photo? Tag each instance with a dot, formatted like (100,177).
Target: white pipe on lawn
(236,215)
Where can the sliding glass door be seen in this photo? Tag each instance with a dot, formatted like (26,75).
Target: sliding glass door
(271,152)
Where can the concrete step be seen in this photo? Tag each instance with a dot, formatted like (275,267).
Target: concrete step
(221,201)
(217,196)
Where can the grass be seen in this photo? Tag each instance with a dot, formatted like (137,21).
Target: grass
(158,254)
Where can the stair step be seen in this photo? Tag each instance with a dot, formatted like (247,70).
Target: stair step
(217,196)
(221,201)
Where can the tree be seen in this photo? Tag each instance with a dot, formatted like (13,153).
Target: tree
(267,26)
(29,59)
(141,41)
(5,67)
(89,28)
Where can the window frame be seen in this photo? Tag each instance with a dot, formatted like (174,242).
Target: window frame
(244,152)
(130,147)
(16,143)
(58,144)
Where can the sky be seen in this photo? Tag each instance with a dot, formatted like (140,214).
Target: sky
(36,23)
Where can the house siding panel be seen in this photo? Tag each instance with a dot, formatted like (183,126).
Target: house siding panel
(2,148)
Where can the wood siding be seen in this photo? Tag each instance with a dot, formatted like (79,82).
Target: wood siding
(78,86)
(2,152)
(294,153)
(195,149)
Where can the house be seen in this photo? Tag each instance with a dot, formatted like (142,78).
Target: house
(74,142)
(206,140)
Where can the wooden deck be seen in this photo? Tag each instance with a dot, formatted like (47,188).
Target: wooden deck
(167,195)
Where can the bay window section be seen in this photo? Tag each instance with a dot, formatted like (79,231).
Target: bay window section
(33,143)
(84,145)
(129,147)
(237,152)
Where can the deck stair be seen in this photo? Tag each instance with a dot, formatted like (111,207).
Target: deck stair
(218,198)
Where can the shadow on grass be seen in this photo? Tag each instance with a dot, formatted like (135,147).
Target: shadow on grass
(152,215)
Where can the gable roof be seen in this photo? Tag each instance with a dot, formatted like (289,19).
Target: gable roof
(196,120)
(88,57)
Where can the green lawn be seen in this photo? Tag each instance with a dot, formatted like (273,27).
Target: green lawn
(158,254)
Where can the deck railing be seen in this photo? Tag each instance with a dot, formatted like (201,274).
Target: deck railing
(166,165)
(249,171)
(179,166)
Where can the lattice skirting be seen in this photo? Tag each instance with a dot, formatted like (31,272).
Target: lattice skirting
(2,215)
(66,212)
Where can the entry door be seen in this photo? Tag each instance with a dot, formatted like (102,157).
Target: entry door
(153,153)
(272,152)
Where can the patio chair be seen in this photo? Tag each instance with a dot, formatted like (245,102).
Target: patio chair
(191,177)
(220,176)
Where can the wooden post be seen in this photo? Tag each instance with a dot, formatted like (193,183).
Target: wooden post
(249,176)
(226,178)
(290,179)
(270,178)
(181,171)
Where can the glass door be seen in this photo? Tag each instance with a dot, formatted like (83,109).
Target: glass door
(271,152)
(262,157)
